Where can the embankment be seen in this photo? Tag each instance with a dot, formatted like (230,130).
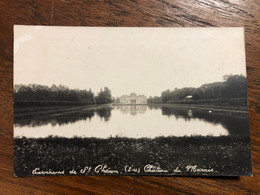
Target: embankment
(208,107)
(35,111)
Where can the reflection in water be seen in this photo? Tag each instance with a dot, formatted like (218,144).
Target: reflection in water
(126,121)
(132,109)
(104,112)
(58,119)
(235,124)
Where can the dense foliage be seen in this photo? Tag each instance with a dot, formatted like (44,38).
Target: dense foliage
(233,86)
(35,92)
(154,100)
(104,96)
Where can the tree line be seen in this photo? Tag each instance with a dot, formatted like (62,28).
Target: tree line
(233,86)
(34,92)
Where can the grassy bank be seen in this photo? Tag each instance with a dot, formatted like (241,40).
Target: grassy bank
(207,107)
(221,155)
(31,111)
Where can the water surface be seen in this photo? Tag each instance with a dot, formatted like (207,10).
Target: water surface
(135,121)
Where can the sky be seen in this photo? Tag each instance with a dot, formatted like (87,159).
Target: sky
(145,60)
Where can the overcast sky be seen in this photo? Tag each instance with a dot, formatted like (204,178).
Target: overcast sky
(142,60)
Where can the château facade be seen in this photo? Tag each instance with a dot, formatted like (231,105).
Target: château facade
(133,99)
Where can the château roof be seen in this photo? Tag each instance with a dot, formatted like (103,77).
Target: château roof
(133,95)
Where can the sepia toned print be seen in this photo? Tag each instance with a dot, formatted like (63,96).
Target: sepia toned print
(130,101)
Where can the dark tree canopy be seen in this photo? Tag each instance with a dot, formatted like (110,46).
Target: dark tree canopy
(104,96)
(35,92)
(154,100)
(233,86)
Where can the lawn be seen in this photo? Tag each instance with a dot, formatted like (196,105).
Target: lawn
(196,155)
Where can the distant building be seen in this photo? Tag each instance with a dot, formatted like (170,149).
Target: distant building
(188,97)
(133,99)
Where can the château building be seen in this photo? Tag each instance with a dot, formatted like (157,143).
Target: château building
(133,99)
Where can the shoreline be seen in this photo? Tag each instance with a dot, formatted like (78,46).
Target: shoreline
(36,111)
(20,112)
(206,107)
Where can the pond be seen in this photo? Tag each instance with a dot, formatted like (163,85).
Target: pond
(133,121)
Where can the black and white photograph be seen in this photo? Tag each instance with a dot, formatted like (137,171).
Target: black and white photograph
(130,101)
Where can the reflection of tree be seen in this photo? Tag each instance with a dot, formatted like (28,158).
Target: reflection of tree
(64,118)
(154,107)
(235,124)
(178,113)
(104,113)
(54,120)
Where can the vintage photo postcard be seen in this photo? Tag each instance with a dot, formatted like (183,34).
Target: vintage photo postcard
(130,101)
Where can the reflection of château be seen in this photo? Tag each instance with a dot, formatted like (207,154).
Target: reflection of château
(133,99)
(132,109)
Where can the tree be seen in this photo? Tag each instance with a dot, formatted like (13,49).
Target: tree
(104,97)
(35,92)
(236,86)
(166,96)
